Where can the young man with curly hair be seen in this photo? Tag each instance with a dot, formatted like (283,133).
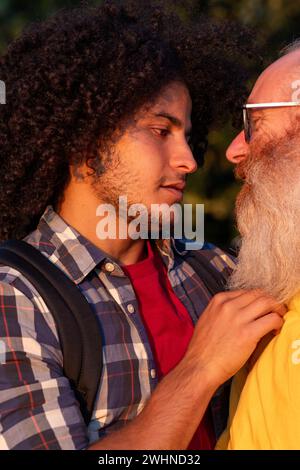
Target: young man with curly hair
(104,102)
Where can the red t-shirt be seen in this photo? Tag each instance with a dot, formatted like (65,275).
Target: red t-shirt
(168,325)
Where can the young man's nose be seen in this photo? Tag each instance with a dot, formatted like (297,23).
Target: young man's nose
(238,149)
(185,160)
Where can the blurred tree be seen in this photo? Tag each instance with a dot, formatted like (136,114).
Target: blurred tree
(277,24)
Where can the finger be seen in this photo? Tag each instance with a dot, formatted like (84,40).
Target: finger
(261,306)
(245,296)
(281,309)
(264,325)
(242,298)
(228,295)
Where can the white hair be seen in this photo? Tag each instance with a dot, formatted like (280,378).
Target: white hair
(291,47)
(268,214)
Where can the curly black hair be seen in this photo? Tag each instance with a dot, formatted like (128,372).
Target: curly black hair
(74,80)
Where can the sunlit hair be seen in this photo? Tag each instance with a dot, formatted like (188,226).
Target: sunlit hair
(291,47)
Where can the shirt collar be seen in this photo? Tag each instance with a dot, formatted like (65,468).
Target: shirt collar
(74,253)
(65,246)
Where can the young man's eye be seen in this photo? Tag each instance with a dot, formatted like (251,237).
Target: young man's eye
(162,132)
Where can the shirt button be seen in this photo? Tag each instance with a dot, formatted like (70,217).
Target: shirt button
(130,308)
(153,373)
(109,267)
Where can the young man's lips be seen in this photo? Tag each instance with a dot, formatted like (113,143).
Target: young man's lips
(176,189)
(178,186)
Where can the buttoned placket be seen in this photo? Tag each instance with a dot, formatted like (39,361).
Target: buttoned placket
(109,273)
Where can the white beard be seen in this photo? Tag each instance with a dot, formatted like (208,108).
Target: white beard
(268,218)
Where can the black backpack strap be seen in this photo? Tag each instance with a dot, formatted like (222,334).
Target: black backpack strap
(77,325)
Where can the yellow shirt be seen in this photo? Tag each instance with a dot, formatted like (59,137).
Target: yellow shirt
(267,415)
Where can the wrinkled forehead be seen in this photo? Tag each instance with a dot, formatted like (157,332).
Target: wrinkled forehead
(279,82)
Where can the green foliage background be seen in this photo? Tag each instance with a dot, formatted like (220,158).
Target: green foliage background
(276,23)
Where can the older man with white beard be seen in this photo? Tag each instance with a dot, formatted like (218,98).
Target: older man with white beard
(265,397)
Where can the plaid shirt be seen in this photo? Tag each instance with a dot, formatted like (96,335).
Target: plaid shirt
(38,408)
